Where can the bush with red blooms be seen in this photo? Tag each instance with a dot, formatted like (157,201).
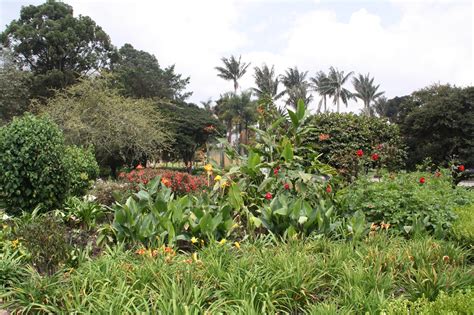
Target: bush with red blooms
(179,182)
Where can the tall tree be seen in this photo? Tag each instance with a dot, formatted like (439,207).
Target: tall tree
(321,85)
(233,70)
(366,91)
(296,86)
(192,128)
(56,46)
(337,79)
(266,82)
(140,75)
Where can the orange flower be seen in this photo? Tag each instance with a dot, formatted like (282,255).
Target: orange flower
(166,182)
(323,137)
(446,258)
(141,251)
(139,167)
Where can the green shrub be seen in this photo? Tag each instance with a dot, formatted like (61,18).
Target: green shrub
(31,165)
(45,239)
(82,167)
(461,302)
(408,205)
(338,137)
(463,227)
(83,212)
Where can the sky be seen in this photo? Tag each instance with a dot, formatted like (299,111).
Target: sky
(405,45)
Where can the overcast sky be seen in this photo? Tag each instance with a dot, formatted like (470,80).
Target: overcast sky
(406,45)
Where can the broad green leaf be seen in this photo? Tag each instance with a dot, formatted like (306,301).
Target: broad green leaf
(235,197)
(300,110)
(287,152)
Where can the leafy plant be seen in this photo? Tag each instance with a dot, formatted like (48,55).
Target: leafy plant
(411,203)
(463,227)
(46,242)
(83,212)
(82,168)
(31,164)
(153,215)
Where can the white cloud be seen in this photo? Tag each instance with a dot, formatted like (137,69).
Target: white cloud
(431,43)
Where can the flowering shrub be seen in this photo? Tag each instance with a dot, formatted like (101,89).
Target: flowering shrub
(337,136)
(179,182)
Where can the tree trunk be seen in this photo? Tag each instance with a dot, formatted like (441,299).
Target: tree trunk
(324,99)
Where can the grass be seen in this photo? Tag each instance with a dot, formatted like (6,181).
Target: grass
(312,276)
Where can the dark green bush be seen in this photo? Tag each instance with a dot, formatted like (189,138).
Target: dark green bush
(31,165)
(407,204)
(82,167)
(338,137)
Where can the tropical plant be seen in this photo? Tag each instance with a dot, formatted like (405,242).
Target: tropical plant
(336,88)
(296,86)
(266,82)
(366,91)
(233,70)
(83,212)
(321,85)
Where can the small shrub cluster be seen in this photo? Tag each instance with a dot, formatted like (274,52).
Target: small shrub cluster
(179,182)
(463,227)
(107,192)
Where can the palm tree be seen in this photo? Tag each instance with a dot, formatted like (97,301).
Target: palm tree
(366,91)
(321,85)
(233,70)
(296,86)
(336,89)
(266,82)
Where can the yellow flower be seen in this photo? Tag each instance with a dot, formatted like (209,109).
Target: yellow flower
(202,242)
(217,178)
(208,168)
(236,225)
(195,257)
(237,245)
(194,240)
(222,241)
(15,243)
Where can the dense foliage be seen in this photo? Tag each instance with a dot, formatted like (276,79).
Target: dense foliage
(56,46)
(411,203)
(263,276)
(82,169)
(339,136)
(140,75)
(121,130)
(31,163)
(438,122)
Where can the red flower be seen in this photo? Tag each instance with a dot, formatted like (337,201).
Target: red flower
(379,146)
(422,180)
(375,157)
(268,196)
(461,168)
(287,186)
(139,167)
(328,188)
(121,174)
(275,172)
(360,153)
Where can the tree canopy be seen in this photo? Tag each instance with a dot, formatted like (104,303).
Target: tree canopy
(191,127)
(140,76)
(122,130)
(56,46)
